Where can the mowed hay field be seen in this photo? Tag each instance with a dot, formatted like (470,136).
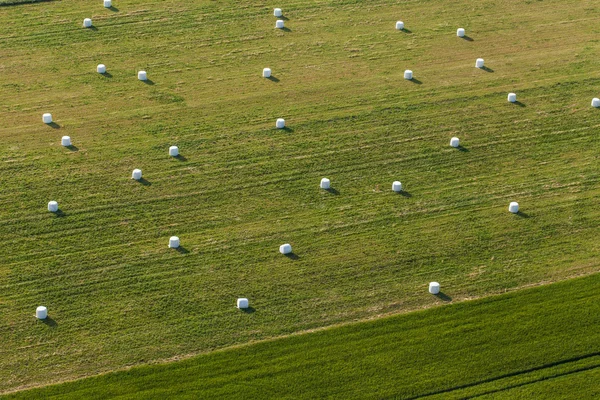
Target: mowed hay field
(117,296)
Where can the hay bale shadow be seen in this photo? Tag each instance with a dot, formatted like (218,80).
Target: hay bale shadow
(292,256)
(443,296)
(49,322)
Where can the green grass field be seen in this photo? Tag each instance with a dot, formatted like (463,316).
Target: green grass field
(118,297)
(536,343)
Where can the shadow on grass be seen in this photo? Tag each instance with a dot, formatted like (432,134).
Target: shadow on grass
(49,322)
(60,213)
(404,193)
(107,75)
(486,69)
(468,38)
(273,79)
(519,104)
(248,310)
(283,17)
(149,82)
(72,148)
(443,296)
(144,182)
(182,250)
(286,29)
(53,125)
(523,215)
(92,28)
(113,8)
(286,129)
(292,256)
(462,148)
(180,157)
(416,81)
(406,30)
(333,191)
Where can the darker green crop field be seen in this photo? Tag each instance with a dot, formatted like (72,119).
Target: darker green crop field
(117,296)
(535,343)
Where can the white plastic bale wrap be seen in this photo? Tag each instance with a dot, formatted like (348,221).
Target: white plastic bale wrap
(285,248)
(397,186)
(267,73)
(173,151)
(41,312)
(325,183)
(434,287)
(47,118)
(173,242)
(454,142)
(107,3)
(277,12)
(136,174)
(399,25)
(101,68)
(52,206)
(142,76)
(512,97)
(66,141)
(280,123)
(513,207)
(479,63)
(596,102)
(242,303)
(87,23)
(279,24)
(460,32)
(408,74)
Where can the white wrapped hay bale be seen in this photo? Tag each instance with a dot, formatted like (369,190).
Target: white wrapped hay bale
(107,3)
(87,23)
(460,32)
(596,102)
(399,25)
(279,24)
(136,174)
(47,118)
(397,186)
(173,242)
(434,287)
(267,73)
(325,183)
(101,68)
(513,207)
(52,206)
(280,123)
(479,63)
(454,142)
(66,141)
(285,248)
(277,12)
(173,151)
(142,76)
(41,312)
(242,303)
(408,75)
(512,97)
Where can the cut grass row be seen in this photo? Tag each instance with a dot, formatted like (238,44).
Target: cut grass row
(541,342)
(116,293)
